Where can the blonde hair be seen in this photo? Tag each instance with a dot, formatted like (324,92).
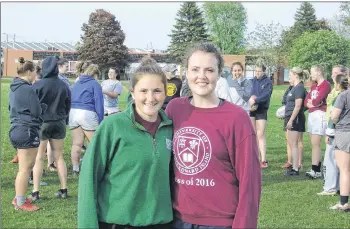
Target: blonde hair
(320,69)
(87,68)
(303,75)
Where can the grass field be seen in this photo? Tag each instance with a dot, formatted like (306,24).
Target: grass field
(287,202)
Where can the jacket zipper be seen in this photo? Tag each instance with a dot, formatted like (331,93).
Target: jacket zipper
(155,144)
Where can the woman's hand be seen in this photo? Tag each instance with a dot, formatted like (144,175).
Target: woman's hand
(289,125)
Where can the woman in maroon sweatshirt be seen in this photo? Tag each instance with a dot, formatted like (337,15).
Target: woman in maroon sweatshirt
(316,102)
(217,174)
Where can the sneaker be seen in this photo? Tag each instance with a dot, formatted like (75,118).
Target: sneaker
(264,164)
(324,193)
(15,159)
(52,168)
(75,173)
(314,175)
(35,196)
(27,207)
(61,194)
(338,206)
(28,200)
(291,172)
(286,165)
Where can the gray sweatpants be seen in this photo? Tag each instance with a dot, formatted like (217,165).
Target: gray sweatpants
(331,171)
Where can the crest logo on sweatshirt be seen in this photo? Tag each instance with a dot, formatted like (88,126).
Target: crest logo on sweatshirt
(171,89)
(192,150)
(314,94)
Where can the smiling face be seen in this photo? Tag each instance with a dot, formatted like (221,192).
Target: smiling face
(237,71)
(202,73)
(149,96)
(112,74)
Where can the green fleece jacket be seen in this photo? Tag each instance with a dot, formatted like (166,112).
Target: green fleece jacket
(124,177)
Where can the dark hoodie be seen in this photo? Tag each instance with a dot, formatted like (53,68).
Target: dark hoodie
(262,89)
(53,92)
(24,105)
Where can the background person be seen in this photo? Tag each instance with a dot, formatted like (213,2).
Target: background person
(111,89)
(87,109)
(316,103)
(25,110)
(260,97)
(174,84)
(341,117)
(55,93)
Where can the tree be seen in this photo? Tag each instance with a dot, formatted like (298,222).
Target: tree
(305,21)
(341,22)
(103,41)
(227,23)
(189,28)
(321,47)
(305,18)
(264,41)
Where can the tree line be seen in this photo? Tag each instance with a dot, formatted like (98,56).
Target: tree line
(307,42)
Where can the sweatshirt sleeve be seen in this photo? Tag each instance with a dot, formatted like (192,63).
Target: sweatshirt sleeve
(34,103)
(98,97)
(266,93)
(222,90)
(68,102)
(96,159)
(243,92)
(322,94)
(248,172)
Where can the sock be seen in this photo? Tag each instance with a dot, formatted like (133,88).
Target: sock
(314,168)
(76,168)
(344,200)
(319,167)
(64,190)
(20,200)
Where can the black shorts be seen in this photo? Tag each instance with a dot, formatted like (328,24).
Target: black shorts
(53,130)
(24,137)
(259,114)
(298,123)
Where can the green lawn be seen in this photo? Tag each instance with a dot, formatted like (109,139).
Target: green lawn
(287,202)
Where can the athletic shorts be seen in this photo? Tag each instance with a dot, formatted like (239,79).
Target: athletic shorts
(259,114)
(342,141)
(111,110)
(24,137)
(317,123)
(53,130)
(87,120)
(298,123)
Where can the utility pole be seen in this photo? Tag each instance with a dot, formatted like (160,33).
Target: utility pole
(14,40)
(6,59)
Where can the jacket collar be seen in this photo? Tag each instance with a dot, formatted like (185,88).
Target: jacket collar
(130,111)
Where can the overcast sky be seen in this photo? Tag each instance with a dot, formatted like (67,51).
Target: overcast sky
(143,23)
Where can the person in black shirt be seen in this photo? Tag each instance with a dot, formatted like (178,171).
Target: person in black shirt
(294,115)
(174,84)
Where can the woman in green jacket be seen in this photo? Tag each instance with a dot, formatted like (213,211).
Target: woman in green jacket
(124,180)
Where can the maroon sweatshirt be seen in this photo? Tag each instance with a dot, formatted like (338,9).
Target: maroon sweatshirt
(216,165)
(318,94)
